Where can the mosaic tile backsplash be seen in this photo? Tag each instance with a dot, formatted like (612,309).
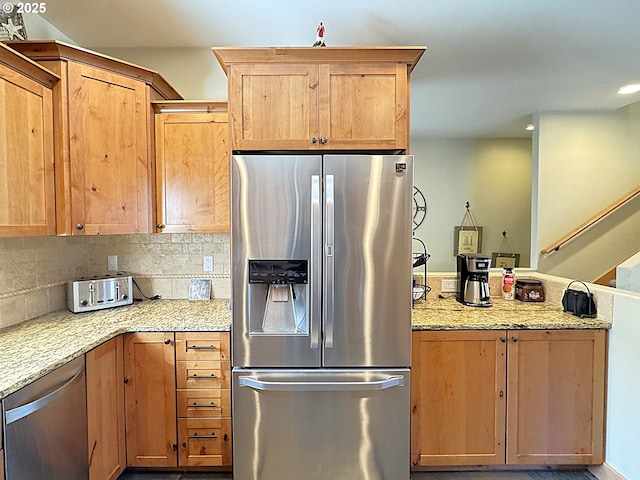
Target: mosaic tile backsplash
(34,271)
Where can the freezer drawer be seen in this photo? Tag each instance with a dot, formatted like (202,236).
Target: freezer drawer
(319,424)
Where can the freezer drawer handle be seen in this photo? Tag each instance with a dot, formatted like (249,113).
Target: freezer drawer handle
(264,385)
(22,411)
(196,347)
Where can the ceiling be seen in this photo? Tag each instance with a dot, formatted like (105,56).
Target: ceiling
(489,65)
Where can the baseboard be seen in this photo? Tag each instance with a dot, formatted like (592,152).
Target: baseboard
(606,472)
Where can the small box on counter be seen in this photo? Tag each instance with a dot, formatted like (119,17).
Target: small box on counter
(529,290)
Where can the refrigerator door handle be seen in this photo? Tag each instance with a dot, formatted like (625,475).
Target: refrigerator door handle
(315,274)
(267,385)
(329,261)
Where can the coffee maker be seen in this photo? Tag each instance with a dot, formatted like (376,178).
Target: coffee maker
(473,280)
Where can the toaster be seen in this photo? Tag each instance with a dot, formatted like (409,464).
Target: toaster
(96,293)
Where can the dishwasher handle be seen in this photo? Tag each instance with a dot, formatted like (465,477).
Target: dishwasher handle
(15,414)
(267,385)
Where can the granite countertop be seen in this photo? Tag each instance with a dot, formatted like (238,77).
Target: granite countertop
(448,314)
(33,348)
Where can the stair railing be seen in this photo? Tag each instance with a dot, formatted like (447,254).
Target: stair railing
(556,246)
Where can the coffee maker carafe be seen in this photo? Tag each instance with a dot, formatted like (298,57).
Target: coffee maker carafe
(473,280)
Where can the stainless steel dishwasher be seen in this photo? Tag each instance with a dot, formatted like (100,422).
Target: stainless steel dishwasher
(45,427)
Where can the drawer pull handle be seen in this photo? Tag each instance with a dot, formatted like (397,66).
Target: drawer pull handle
(196,376)
(195,435)
(195,347)
(197,405)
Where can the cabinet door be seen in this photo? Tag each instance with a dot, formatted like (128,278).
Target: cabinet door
(273,107)
(27,198)
(105,410)
(150,400)
(458,398)
(556,384)
(109,171)
(364,106)
(192,172)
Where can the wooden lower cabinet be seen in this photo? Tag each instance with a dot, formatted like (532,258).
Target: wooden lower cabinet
(458,398)
(546,386)
(150,399)
(105,410)
(177,396)
(555,402)
(203,378)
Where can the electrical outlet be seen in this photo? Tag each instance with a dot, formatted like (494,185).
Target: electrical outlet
(207,263)
(449,285)
(112,263)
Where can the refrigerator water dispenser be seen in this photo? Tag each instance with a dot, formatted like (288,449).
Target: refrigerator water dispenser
(278,297)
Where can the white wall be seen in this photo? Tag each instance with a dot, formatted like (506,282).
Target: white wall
(623,396)
(39,29)
(494,175)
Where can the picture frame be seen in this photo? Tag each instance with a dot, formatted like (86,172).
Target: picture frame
(200,289)
(502,260)
(467,239)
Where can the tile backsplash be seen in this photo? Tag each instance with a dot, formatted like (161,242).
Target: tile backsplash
(34,271)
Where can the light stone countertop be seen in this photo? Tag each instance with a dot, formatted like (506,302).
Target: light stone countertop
(31,349)
(34,348)
(448,314)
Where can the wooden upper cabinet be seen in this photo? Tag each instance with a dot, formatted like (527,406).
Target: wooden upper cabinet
(332,98)
(103,138)
(192,167)
(27,194)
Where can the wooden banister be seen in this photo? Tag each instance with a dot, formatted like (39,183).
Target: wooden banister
(556,246)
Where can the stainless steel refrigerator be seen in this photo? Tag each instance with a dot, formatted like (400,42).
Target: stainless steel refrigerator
(321,300)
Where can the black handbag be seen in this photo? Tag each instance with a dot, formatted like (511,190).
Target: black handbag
(579,302)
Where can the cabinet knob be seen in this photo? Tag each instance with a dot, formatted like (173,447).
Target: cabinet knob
(160,226)
(514,339)
(501,394)
(314,139)
(324,140)
(503,339)
(126,380)
(80,226)
(167,341)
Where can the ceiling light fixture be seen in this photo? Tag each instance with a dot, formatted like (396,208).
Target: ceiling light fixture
(530,128)
(630,88)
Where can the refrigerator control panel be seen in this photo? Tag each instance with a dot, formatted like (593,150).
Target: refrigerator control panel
(278,271)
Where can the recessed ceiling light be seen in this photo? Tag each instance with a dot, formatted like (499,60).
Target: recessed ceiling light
(530,127)
(630,88)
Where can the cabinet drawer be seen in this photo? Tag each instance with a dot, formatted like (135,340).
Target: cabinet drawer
(212,346)
(204,442)
(202,374)
(196,403)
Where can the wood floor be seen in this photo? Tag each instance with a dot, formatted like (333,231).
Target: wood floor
(521,475)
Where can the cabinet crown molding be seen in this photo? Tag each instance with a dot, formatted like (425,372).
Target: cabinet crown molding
(42,50)
(27,67)
(408,55)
